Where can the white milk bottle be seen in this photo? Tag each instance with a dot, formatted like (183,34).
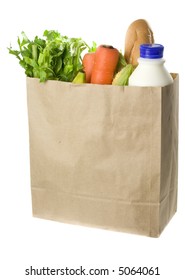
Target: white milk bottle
(150,70)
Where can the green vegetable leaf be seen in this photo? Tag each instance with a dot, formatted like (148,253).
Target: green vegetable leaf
(53,57)
(93,47)
(121,63)
(122,77)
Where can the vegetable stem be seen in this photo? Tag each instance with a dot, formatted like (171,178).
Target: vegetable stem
(34,52)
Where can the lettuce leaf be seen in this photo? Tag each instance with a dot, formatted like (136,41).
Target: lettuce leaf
(53,57)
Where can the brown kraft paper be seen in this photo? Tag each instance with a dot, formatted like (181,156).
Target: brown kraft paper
(104,156)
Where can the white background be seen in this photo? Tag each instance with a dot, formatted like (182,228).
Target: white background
(25,240)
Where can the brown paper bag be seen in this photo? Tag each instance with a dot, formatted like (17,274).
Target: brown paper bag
(104,156)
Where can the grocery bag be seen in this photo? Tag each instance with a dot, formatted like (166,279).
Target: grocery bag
(104,156)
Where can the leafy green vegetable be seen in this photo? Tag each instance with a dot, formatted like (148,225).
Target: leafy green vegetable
(53,57)
(93,48)
(121,63)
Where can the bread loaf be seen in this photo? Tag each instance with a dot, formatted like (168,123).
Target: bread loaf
(139,32)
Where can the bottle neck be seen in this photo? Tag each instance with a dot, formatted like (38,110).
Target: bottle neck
(151,60)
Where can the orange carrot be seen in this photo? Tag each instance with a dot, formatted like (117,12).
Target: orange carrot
(105,62)
(88,62)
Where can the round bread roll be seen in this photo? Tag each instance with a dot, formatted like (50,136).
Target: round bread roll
(139,32)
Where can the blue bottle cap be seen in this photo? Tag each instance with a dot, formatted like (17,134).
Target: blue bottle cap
(151,51)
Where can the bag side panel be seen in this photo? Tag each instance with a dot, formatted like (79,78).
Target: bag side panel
(169,159)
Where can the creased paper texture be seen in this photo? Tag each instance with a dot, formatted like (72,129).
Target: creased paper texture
(104,156)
